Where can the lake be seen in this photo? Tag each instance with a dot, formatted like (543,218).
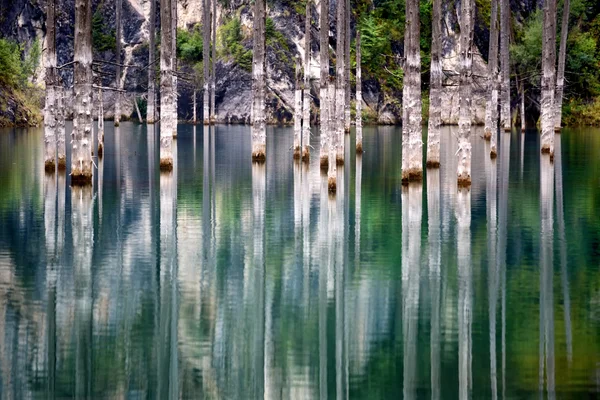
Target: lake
(231,280)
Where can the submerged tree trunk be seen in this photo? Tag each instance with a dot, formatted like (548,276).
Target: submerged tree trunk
(306,100)
(119,28)
(213,63)
(60,129)
(174,55)
(465,90)
(324,81)
(51,83)
(81,153)
(505,64)
(259,134)
(100,124)
(167,123)
(347,68)
(333,137)
(523,121)
(150,113)
(137,110)
(412,145)
(560,77)
(548,73)
(435,88)
(359,138)
(491,109)
(298,112)
(206,59)
(340,92)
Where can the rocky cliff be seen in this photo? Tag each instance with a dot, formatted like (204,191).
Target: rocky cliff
(24,20)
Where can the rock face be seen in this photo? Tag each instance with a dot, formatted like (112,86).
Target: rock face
(23,20)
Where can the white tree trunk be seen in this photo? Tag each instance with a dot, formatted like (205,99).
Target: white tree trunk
(150,110)
(298,113)
(206,59)
(60,129)
(333,139)
(435,88)
(194,106)
(50,109)
(465,92)
(359,133)
(100,124)
(347,67)
(560,77)
(505,64)
(548,74)
(167,123)
(137,110)
(119,29)
(81,153)
(306,100)
(259,133)
(174,55)
(523,120)
(324,82)
(412,144)
(213,64)
(340,92)
(491,109)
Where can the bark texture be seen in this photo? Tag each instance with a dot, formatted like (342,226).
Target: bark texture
(206,57)
(150,111)
(81,153)
(548,75)
(306,95)
(194,107)
(174,62)
(465,91)
(333,139)
(100,124)
(51,83)
(359,136)
(167,122)
(505,64)
(324,81)
(435,88)
(340,92)
(298,112)
(259,134)
(61,149)
(213,64)
(523,120)
(560,75)
(119,29)
(412,144)
(347,67)
(491,109)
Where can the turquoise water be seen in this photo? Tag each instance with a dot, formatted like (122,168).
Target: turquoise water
(231,280)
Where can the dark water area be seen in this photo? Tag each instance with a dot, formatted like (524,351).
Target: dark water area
(231,280)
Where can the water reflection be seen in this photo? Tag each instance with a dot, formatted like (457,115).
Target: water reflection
(228,280)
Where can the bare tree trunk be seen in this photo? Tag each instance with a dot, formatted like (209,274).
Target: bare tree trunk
(81,153)
(340,92)
(195,106)
(505,64)
(412,145)
(259,134)
(435,88)
(359,136)
(100,124)
(466,79)
(298,112)
(206,59)
(548,75)
(333,138)
(119,28)
(523,120)
(213,63)
(306,100)
(137,110)
(150,113)
(60,129)
(347,68)
(324,82)
(174,55)
(51,83)
(491,109)
(560,77)
(167,123)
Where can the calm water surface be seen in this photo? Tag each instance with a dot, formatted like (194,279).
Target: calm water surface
(236,281)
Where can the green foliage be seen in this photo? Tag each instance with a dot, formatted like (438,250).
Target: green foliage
(32,59)
(276,42)
(577,112)
(189,44)
(232,48)
(103,38)
(11,69)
